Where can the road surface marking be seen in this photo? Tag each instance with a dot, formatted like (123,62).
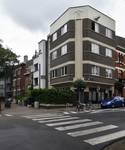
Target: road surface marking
(47,118)
(106,138)
(8,115)
(91,131)
(66,113)
(68,122)
(43,115)
(56,120)
(78,126)
(73,112)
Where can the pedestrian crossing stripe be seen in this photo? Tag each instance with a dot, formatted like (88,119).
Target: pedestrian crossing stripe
(69,122)
(106,138)
(42,115)
(56,120)
(78,126)
(91,131)
(47,118)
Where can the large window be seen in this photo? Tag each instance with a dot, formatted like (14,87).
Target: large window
(54,73)
(36,67)
(95,27)
(54,55)
(108,33)
(36,81)
(108,73)
(95,48)
(54,37)
(64,29)
(64,50)
(95,70)
(108,52)
(64,71)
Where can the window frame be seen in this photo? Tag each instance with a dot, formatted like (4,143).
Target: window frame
(93,48)
(64,50)
(108,74)
(54,55)
(64,29)
(108,50)
(54,36)
(109,33)
(95,70)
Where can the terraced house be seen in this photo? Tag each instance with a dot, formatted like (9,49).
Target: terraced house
(82,46)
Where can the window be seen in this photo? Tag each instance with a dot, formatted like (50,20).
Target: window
(54,73)
(36,67)
(108,73)
(95,70)
(95,27)
(54,55)
(36,81)
(108,33)
(54,36)
(64,50)
(95,48)
(108,52)
(64,29)
(64,71)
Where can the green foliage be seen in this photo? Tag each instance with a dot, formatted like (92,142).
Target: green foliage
(7,61)
(52,96)
(79,84)
(119,85)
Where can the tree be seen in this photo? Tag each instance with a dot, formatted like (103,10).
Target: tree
(80,85)
(119,86)
(7,61)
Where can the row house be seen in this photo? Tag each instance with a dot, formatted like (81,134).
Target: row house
(120,60)
(82,46)
(22,77)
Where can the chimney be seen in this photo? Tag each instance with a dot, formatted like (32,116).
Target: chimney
(25,58)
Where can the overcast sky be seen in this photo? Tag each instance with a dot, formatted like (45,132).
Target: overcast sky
(23,23)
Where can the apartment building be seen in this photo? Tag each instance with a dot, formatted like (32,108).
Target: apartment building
(82,46)
(40,66)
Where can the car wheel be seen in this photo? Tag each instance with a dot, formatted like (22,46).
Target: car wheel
(113,106)
(123,104)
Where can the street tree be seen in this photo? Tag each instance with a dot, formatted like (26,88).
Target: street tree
(80,85)
(7,61)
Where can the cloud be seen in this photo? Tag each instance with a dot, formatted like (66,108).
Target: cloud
(38,14)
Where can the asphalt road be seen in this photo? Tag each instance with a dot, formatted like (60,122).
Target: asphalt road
(80,131)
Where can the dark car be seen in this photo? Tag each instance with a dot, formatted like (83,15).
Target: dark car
(117,101)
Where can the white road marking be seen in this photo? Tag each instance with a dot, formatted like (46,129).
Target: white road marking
(68,122)
(42,115)
(47,118)
(106,138)
(78,126)
(73,112)
(56,120)
(91,131)
(66,113)
(8,115)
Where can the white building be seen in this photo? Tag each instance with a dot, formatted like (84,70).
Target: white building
(40,66)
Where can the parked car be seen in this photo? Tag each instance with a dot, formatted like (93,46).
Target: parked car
(117,101)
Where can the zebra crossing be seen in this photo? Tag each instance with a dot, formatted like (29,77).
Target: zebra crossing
(91,131)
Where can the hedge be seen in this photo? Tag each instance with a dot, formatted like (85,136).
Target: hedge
(53,96)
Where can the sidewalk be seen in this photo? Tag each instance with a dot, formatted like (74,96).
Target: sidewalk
(119,145)
(19,109)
